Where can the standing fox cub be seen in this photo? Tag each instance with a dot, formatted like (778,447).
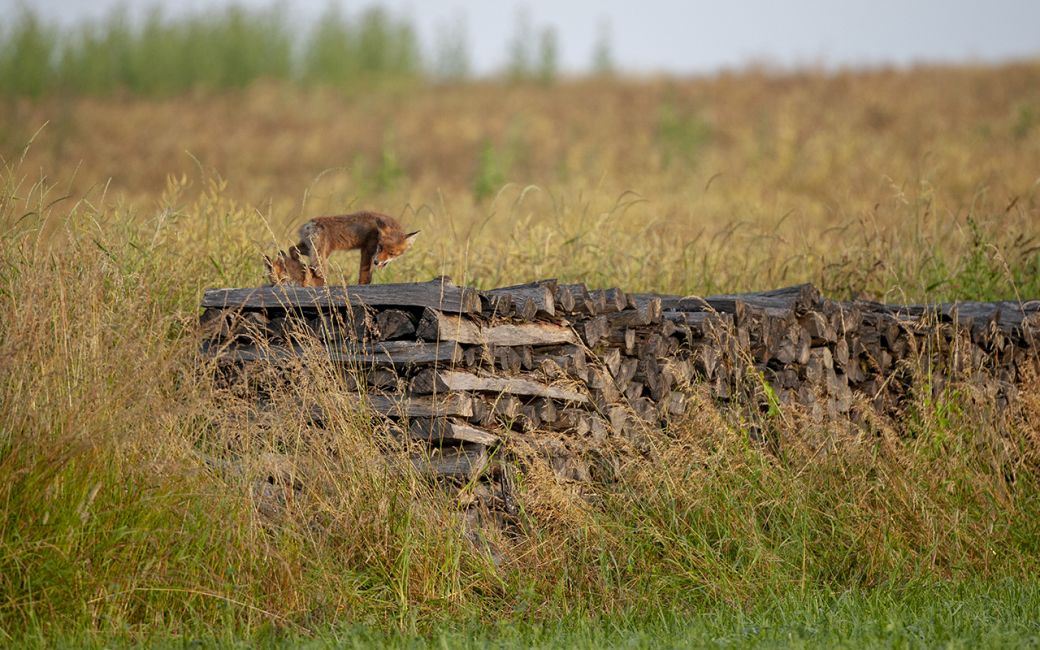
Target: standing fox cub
(379,237)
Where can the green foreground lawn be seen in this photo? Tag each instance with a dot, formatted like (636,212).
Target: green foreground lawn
(1005,614)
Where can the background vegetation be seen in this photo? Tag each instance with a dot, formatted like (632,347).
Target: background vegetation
(161,55)
(117,208)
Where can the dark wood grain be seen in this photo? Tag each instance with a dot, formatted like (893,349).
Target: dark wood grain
(389,352)
(438,294)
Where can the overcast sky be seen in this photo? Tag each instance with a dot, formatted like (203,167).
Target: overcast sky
(693,36)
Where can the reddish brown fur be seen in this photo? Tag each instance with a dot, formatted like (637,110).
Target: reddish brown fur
(287,269)
(379,237)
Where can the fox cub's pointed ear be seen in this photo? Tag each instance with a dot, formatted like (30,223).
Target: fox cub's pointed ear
(268,264)
(410,237)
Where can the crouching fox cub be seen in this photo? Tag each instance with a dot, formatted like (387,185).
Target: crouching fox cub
(286,268)
(380,238)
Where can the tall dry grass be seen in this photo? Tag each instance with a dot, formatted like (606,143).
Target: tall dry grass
(119,512)
(902,185)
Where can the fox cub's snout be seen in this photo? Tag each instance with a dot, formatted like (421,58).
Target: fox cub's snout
(387,252)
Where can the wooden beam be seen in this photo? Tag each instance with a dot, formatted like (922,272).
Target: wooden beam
(465,463)
(442,429)
(443,381)
(386,353)
(437,294)
(412,406)
(436,326)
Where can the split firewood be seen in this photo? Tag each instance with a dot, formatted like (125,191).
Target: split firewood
(530,300)
(392,324)
(465,463)
(446,429)
(444,381)
(594,330)
(613,300)
(410,406)
(437,326)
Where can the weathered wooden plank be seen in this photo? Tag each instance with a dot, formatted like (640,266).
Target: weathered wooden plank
(446,429)
(1007,315)
(624,339)
(438,294)
(464,463)
(476,356)
(438,381)
(549,283)
(398,353)
(529,334)
(402,353)
(674,404)
(405,406)
(799,298)
(413,406)
(383,378)
(436,326)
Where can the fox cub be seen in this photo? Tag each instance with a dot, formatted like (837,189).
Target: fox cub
(380,238)
(286,268)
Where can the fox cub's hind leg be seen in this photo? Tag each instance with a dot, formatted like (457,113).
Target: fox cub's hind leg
(313,245)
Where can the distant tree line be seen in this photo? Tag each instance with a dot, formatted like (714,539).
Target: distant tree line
(234,47)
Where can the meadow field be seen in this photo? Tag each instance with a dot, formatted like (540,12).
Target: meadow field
(119,207)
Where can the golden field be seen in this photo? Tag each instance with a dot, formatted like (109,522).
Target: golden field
(876,183)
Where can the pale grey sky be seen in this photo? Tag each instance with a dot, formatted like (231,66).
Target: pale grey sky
(693,36)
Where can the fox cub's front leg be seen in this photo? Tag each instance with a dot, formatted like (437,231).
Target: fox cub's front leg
(365,272)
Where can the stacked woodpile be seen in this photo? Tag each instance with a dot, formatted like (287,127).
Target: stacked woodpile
(561,371)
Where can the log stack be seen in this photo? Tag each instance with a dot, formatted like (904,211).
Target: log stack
(478,378)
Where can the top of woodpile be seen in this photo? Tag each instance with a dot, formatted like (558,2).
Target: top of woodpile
(442,294)
(790,345)
(539,299)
